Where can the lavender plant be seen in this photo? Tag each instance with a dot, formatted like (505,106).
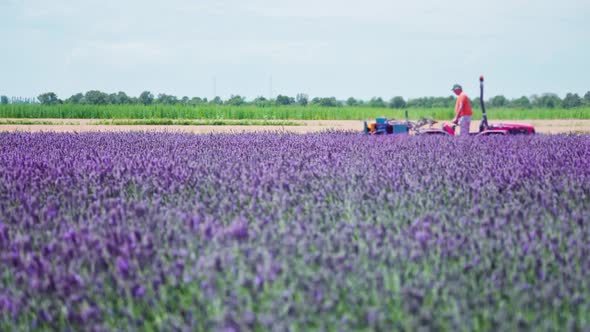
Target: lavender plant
(326,231)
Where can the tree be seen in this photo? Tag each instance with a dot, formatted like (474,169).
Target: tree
(571,101)
(302,99)
(197,101)
(112,99)
(284,100)
(48,98)
(442,102)
(95,97)
(547,100)
(261,102)
(522,102)
(75,99)
(587,98)
(351,101)
(122,98)
(475,103)
(498,101)
(377,102)
(3,100)
(146,98)
(165,99)
(326,102)
(185,100)
(216,101)
(419,103)
(236,100)
(397,102)
(552,101)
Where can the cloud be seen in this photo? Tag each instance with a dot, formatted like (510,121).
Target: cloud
(119,54)
(379,42)
(204,52)
(39,9)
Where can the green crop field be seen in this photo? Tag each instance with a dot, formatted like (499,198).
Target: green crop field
(266,113)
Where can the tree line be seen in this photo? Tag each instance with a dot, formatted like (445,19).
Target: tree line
(95,97)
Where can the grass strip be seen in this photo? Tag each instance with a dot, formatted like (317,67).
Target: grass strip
(219,122)
(35,122)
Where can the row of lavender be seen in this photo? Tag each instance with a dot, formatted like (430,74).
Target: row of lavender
(293,232)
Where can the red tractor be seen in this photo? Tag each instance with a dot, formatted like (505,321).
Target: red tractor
(385,126)
(486,130)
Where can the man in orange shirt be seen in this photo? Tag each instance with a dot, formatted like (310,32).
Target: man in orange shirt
(463,110)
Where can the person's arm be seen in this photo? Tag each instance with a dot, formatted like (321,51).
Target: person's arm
(457,112)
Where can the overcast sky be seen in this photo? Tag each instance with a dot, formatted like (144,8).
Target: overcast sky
(338,48)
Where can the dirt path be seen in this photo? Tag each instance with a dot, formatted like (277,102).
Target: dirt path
(86,125)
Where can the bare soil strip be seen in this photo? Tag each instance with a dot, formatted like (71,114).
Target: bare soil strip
(87,125)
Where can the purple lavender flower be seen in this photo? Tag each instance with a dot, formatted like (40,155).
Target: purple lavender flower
(122,266)
(332,231)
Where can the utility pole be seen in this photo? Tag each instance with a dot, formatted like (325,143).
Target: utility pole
(270,88)
(214,87)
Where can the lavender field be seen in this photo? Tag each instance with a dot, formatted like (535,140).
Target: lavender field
(330,231)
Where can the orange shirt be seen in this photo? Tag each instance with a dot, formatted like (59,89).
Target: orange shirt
(466,105)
